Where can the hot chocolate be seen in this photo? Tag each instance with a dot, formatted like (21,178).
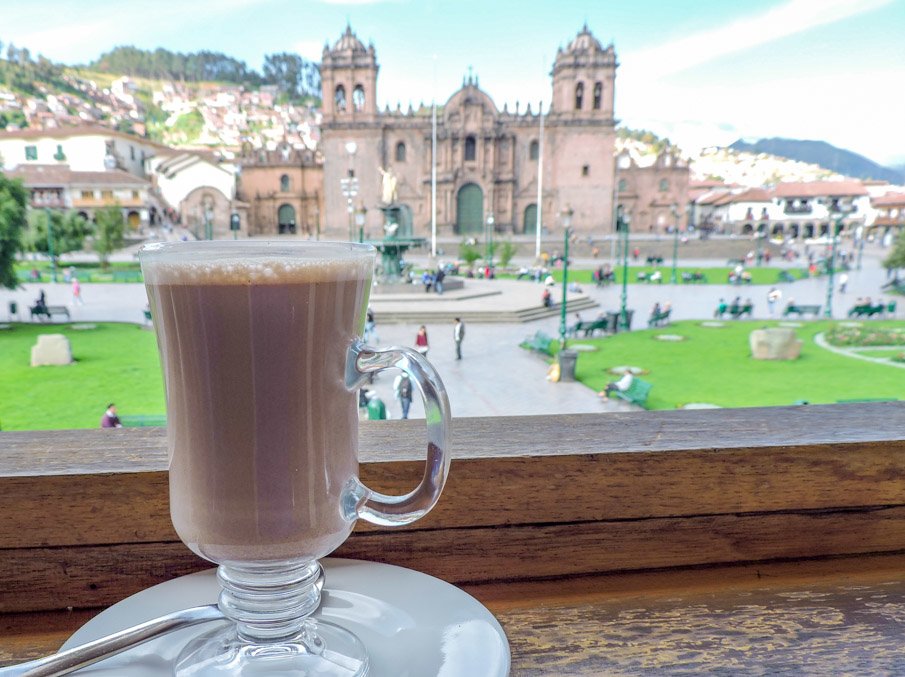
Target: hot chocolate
(263,434)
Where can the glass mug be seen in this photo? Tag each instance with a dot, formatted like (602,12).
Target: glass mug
(260,349)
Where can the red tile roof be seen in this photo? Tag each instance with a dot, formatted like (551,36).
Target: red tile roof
(753,195)
(61,175)
(819,189)
(889,200)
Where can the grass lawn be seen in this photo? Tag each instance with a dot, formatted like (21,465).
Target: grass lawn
(716,275)
(883,352)
(113,363)
(713,365)
(118,271)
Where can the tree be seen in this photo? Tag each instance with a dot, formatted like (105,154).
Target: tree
(896,258)
(109,232)
(13,201)
(507,251)
(69,231)
(468,253)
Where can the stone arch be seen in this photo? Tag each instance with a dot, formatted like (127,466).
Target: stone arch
(286,219)
(339,98)
(579,95)
(285,183)
(470,209)
(400,151)
(529,222)
(747,229)
(598,95)
(533,150)
(133,218)
(358,98)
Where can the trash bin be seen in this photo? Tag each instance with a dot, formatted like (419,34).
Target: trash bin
(377,410)
(613,319)
(567,359)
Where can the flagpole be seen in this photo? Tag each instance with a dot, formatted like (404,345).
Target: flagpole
(540,182)
(434,180)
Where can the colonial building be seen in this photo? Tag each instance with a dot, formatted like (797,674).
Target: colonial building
(283,190)
(654,192)
(487,159)
(59,187)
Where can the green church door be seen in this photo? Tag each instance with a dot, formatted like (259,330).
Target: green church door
(286,219)
(470,209)
(530,220)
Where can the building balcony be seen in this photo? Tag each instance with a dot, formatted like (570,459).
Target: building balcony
(798,209)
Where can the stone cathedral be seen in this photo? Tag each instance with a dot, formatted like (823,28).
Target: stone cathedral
(487,159)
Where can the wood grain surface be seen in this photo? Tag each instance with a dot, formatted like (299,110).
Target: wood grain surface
(533,505)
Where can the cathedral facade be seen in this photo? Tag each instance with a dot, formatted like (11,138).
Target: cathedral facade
(487,159)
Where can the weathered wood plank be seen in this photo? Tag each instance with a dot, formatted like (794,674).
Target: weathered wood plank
(56,578)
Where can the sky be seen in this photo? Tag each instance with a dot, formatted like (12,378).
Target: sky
(701,72)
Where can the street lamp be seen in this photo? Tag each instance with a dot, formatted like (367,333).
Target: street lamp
(566,216)
(622,224)
(360,222)
(53,261)
(835,229)
(675,244)
(488,240)
(349,186)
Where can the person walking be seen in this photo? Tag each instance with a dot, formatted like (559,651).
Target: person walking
(774,296)
(421,343)
(843,283)
(76,292)
(371,327)
(438,280)
(402,387)
(459,336)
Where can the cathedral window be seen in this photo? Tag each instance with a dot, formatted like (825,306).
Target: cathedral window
(622,185)
(533,150)
(664,185)
(598,95)
(340,99)
(284,183)
(471,149)
(400,152)
(579,95)
(358,98)
(586,170)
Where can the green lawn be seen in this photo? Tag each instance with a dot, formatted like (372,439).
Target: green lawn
(118,271)
(113,363)
(714,365)
(715,275)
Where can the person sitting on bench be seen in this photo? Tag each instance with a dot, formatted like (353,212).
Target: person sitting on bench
(621,385)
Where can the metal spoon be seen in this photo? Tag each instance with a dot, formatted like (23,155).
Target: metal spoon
(66,662)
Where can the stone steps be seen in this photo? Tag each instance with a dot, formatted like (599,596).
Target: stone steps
(471,314)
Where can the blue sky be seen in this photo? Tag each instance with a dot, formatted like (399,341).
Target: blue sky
(702,72)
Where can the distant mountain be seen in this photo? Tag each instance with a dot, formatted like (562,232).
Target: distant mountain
(827,156)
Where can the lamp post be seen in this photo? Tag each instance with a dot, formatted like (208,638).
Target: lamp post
(488,240)
(835,228)
(622,223)
(674,278)
(566,217)
(53,261)
(360,222)
(349,186)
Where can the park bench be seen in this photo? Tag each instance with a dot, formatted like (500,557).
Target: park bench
(540,343)
(653,276)
(597,325)
(143,420)
(654,260)
(694,278)
(659,319)
(785,276)
(737,311)
(636,393)
(801,310)
(48,311)
(867,309)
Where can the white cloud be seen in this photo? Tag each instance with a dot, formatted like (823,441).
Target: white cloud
(312,50)
(795,16)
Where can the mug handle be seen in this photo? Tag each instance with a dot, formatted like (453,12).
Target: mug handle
(372,506)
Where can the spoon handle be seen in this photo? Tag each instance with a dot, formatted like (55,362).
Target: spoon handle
(68,661)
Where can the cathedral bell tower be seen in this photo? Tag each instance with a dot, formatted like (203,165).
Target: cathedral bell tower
(584,77)
(349,81)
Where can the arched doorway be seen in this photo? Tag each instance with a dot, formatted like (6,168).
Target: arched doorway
(470,209)
(286,219)
(530,227)
(133,219)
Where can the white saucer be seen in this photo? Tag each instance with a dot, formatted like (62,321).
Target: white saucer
(413,625)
